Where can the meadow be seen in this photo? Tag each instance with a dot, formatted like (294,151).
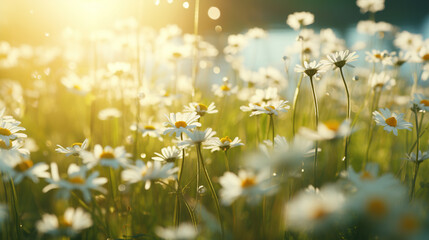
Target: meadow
(137,132)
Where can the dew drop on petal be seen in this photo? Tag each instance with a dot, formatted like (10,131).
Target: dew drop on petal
(202,190)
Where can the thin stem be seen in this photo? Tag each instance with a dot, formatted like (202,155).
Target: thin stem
(212,190)
(295,102)
(196,46)
(376,98)
(272,128)
(179,189)
(198,174)
(349,111)
(226,160)
(16,208)
(417,155)
(316,113)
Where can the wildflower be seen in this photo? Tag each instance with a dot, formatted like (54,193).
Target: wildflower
(179,123)
(71,223)
(142,172)
(340,59)
(198,137)
(328,130)
(225,89)
(77,85)
(310,69)
(370,5)
(381,81)
(246,184)
(256,33)
(420,102)
(22,168)
(150,129)
(109,113)
(408,41)
(376,56)
(391,121)
(401,58)
(76,180)
(184,231)
(168,154)
(315,209)
(201,109)
(299,19)
(224,144)
(270,108)
(107,156)
(9,129)
(422,156)
(74,149)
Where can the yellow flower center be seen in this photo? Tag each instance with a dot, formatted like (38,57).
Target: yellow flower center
(3,144)
(149,127)
(391,121)
(177,55)
(107,155)
(5,131)
(409,223)
(425,102)
(248,182)
(225,88)
(226,138)
(319,213)
(166,94)
(63,222)
(180,124)
(377,207)
(77,87)
(426,57)
(77,180)
(378,55)
(202,107)
(24,165)
(76,144)
(332,125)
(366,176)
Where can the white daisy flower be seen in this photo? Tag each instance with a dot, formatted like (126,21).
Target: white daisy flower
(421,102)
(310,69)
(76,180)
(74,149)
(109,113)
(264,95)
(315,209)
(256,33)
(179,123)
(391,121)
(224,144)
(200,108)
(71,223)
(271,107)
(185,231)
(376,56)
(107,156)
(142,172)
(408,41)
(328,130)
(9,129)
(168,154)
(225,89)
(150,129)
(76,84)
(340,59)
(197,137)
(299,19)
(25,168)
(246,184)
(422,156)
(370,5)
(381,80)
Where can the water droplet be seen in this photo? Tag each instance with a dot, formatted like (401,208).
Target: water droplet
(302,170)
(225,79)
(122,187)
(202,190)
(218,28)
(355,78)
(143,155)
(274,174)
(344,158)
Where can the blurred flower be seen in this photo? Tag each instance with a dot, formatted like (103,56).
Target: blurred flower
(381,81)
(142,172)
(422,156)
(23,167)
(299,19)
(224,144)
(71,223)
(109,113)
(197,137)
(168,154)
(256,33)
(184,231)
(225,89)
(310,69)
(74,149)
(421,102)
(270,108)
(391,121)
(370,5)
(376,56)
(328,130)
(107,156)
(200,108)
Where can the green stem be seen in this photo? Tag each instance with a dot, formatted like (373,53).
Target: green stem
(226,161)
(316,113)
(417,155)
(212,190)
(295,102)
(16,209)
(349,111)
(272,128)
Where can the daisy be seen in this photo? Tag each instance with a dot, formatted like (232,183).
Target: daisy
(256,33)
(225,89)
(142,172)
(224,144)
(150,129)
(77,85)
(271,107)
(9,129)
(264,95)
(197,137)
(340,59)
(107,156)
(299,19)
(315,209)
(381,81)
(246,184)
(200,108)
(25,168)
(408,41)
(168,154)
(421,102)
(401,58)
(76,180)
(391,121)
(310,69)
(376,56)
(328,130)
(370,5)
(179,123)
(185,231)
(71,223)
(109,113)
(74,149)
(422,156)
